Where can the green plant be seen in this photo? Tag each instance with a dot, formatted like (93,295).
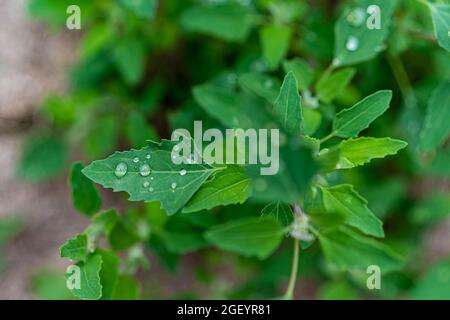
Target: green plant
(262,64)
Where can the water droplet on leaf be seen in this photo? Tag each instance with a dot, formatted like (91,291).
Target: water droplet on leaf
(148,156)
(146,184)
(145,170)
(352,43)
(136,160)
(121,170)
(183,172)
(174,185)
(151,189)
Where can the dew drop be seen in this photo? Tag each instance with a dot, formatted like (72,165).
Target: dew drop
(121,170)
(183,172)
(151,178)
(148,156)
(146,184)
(352,43)
(448,33)
(151,189)
(357,17)
(173,185)
(136,160)
(145,170)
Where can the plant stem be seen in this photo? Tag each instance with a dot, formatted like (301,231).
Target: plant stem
(331,135)
(403,80)
(289,295)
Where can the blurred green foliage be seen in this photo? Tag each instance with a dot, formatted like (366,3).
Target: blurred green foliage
(148,67)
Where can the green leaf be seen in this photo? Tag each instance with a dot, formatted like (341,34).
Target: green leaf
(433,285)
(275,40)
(121,236)
(330,86)
(183,242)
(233,110)
(249,236)
(359,151)
(440,12)
(436,129)
(168,186)
(346,250)
(350,122)
(127,288)
(130,59)
(296,169)
(229,186)
(109,272)
(344,200)
(355,42)
(142,8)
(311,121)
(280,211)
(43,157)
(227,21)
(261,84)
(302,72)
(85,197)
(90,286)
(55,12)
(103,137)
(287,106)
(431,209)
(75,249)
(138,130)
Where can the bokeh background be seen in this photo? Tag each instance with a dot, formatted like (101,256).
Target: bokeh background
(49,75)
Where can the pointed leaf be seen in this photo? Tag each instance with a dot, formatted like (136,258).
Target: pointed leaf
(75,249)
(332,85)
(355,41)
(302,72)
(229,186)
(90,286)
(350,122)
(275,40)
(85,196)
(287,106)
(440,12)
(135,172)
(344,200)
(347,250)
(280,211)
(359,151)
